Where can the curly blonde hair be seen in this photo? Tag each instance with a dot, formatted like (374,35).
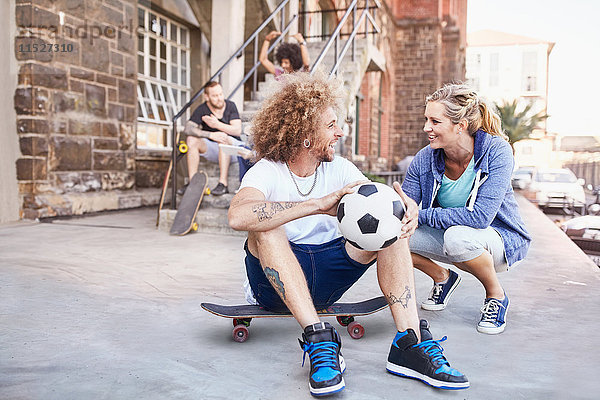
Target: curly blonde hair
(292,114)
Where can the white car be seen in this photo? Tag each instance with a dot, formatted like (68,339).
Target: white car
(557,188)
(521,178)
(585,233)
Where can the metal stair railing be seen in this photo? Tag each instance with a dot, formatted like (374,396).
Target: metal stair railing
(366,16)
(284,28)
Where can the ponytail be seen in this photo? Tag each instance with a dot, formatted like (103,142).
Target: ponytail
(490,121)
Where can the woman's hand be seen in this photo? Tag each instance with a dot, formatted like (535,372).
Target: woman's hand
(328,204)
(298,36)
(272,35)
(411,215)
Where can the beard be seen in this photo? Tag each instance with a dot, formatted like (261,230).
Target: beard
(217,106)
(324,155)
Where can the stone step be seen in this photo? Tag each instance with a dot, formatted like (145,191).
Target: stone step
(209,219)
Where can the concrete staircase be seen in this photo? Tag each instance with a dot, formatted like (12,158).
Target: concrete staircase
(212,216)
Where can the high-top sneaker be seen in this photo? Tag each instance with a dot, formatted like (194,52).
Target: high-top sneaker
(424,361)
(323,344)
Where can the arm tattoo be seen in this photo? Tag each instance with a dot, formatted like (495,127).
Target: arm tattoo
(273,277)
(403,299)
(265,211)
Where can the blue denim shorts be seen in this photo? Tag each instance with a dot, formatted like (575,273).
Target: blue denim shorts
(328,269)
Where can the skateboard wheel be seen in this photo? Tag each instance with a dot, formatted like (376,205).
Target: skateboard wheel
(183,148)
(344,321)
(207,191)
(195,227)
(355,330)
(240,333)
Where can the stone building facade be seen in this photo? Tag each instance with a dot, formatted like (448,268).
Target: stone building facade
(98,80)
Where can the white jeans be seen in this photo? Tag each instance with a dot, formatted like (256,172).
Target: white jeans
(458,244)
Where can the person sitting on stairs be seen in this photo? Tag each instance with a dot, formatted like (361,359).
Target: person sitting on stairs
(214,122)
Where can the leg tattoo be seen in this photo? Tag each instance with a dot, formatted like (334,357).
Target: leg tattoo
(273,277)
(403,299)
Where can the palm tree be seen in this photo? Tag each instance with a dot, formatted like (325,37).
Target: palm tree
(518,125)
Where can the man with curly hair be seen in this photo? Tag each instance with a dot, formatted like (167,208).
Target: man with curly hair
(290,56)
(296,258)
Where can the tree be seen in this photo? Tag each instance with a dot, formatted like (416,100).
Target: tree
(518,125)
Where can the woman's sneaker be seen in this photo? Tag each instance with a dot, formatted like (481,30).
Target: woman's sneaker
(323,344)
(424,361)
(493,316)
(441,292)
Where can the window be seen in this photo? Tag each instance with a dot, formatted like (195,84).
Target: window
(163,76)
(529,71)
(494,69)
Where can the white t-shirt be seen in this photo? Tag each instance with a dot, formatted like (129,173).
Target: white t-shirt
(274,181)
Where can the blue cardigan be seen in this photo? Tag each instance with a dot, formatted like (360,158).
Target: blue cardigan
(490,203)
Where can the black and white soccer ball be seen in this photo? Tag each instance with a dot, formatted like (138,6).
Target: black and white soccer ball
(371,217)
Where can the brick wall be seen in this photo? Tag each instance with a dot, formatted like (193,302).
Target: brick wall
(428,51)
(76,107)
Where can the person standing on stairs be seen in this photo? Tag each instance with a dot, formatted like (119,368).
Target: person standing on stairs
(215,121)
(290,56)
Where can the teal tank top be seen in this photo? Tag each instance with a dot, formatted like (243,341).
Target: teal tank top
(454,194)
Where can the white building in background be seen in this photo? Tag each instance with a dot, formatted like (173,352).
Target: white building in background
(503,67)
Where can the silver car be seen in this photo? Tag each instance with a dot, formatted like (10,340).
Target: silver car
(557,188)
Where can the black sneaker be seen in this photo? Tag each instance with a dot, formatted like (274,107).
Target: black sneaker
(219,190)
(440,293)
(424,361)
(323,344)
(182,189)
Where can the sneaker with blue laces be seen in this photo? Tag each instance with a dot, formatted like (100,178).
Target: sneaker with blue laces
(441,292)
(323,344)
(493,316)
(424,361)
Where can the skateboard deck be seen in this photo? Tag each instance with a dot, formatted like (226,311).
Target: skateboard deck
(185,219)
(345,313)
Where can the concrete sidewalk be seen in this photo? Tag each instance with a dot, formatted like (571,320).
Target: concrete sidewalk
(108,307)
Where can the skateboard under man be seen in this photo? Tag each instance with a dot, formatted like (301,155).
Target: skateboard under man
(185,219)
(344,312)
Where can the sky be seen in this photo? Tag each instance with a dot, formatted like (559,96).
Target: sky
(574,72)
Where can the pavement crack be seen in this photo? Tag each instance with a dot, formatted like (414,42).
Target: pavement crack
(157,289)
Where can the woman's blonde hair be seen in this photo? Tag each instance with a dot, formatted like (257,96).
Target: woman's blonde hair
(292,114)
(461,101)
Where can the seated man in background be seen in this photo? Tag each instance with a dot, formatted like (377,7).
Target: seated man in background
(214,122)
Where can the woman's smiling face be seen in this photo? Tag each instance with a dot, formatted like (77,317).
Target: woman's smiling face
(441,132)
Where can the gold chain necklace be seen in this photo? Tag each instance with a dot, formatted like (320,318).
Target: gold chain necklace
(296,183)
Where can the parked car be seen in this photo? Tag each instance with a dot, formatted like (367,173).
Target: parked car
(585,233)
(557,188)
(521,178)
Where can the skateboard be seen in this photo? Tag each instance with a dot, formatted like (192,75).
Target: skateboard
(344,312)
(182,149)
(185,219)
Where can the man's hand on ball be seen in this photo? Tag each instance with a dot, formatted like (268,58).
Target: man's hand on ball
(411,216)
(328,204)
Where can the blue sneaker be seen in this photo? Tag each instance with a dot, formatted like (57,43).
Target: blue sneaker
(424,361)
(323,344)
(493,316)
(440,293)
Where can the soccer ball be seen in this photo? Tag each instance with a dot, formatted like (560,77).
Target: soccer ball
(371,217)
